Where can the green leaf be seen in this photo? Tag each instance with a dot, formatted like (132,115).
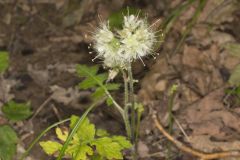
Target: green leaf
(86,131)
(109,101)
(4,61)
(95,81)
(50,147)
(62,135)
(233,48)
(102,133)
(235,76)
(97,157)
(87,83)
(116,19)
(85,71)
(73,121)
(16,111)
(112,86)
(8,141)
(99,93)
(106,147)
(79,152)
(124,143)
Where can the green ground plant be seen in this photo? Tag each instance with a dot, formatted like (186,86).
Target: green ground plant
(88,142)
(14,112)
(82,141)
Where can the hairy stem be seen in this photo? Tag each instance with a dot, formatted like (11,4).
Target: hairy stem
(139,114)
(126,105)
(132,101)
(133,112)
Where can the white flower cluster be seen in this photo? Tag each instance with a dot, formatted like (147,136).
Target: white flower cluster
(118,48)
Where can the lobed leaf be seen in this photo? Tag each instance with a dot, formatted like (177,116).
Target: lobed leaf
(86,130)
(106,147)
(124,143)
(50,147)
(85,71)
(102,133)
(62,135)
(88,83)
(112,86)
(79,152)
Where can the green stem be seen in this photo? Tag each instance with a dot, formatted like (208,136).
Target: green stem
(190,25)
(74,130)
(133,112)
(40,136)
(170,120)
(126,105)
(139,114)
(132,100)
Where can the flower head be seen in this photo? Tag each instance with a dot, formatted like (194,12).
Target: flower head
(118,48)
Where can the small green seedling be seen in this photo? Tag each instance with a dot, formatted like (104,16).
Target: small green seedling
(87,143)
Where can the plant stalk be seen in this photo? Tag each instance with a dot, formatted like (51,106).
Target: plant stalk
(132,101)
(133,111)
(126,105)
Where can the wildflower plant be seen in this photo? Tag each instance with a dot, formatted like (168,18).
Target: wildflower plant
(117,46)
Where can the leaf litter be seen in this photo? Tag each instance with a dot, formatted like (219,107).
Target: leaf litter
(201,69)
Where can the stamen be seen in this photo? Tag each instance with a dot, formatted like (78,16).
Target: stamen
(142,61)
(154,23)
(95,58)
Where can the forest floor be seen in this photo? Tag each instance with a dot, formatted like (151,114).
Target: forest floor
(46,39)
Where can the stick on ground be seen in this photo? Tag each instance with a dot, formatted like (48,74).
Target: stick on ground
(199,154)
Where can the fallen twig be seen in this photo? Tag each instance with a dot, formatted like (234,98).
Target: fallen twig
(184,148)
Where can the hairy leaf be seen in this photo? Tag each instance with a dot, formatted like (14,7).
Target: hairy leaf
(17,111)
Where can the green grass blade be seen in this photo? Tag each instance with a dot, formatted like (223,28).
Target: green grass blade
(74,130)
(190,25)
(40,136)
